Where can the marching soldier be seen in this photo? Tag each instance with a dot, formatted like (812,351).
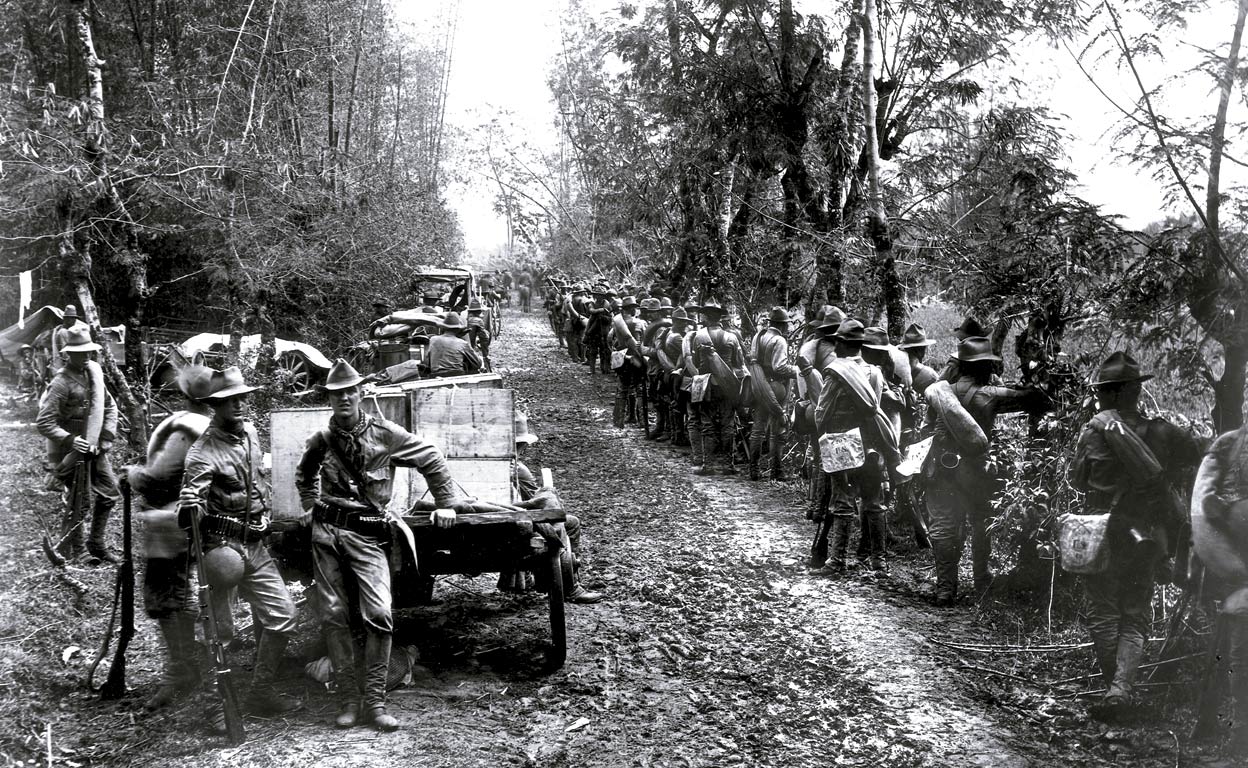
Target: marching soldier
(224,493)
(596,328)
(914,343)
(714,417)
(345,480)
(574,310)
(450,354)
(814,356)
(671,358)
(656,391)
(76,403)
(478,332)
(1143,522)
(771,354)
(959,487)
(626,330)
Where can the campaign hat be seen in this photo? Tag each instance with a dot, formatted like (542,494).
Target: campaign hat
(778,316)
(475,305)
(914,337)
(340,376)
(79,340)
(850,331)
(712,307)
(71,311)
(650,305)
(973,349)
(195,381)
(524,435)
(665,302)
(875,337)
(1120,368)
(679,315)
(969,327)
(228,383)
(453,322)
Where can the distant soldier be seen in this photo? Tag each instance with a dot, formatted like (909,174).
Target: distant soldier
(959,487)
(75,401)
(345,480)
(479,332)
(770,353)
(524,288)
(670,353)
(1113,451)
(574,309)
(69,322)
(224,493)
(29,373)
(431,302)
(166,574)
(450,354)
(553,304)
(715,415)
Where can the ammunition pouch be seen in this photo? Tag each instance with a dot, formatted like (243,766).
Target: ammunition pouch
(230,528)
(367,522)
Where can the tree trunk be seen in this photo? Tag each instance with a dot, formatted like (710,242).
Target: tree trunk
(893,291)
(1228,391)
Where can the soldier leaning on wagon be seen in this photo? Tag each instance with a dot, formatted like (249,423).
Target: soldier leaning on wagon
(166,572)
(1129,465)
(64,419)
(450,354)
(959,485)
(345,479)
(715,416)
(527,487)
(624,339)
(770,355)
(851,399)
(225,494)
(658,391)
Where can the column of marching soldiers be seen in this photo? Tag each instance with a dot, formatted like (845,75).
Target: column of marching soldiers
(879,427)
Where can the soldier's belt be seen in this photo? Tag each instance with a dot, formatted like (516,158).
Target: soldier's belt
(365,524)
(229,528)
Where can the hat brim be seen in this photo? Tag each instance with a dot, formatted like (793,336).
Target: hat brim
(916,344)
(881,347)
(1141,377)
(526,439)
(90,346)
(980,358)
(225,394)
(340,385)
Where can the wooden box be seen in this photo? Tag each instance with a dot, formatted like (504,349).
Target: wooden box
(466,423)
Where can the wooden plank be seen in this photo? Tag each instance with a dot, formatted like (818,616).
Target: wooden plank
(466,423)
(289,430)
(488,479)
(471,381)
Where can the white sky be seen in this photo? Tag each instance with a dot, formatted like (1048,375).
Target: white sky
(503,50)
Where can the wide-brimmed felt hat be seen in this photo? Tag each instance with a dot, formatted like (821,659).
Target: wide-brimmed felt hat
(79,340)
(850,331)
(580,288)
(524,435)
(970,327)
(195,381)
(778,316)
(475,305)
(629,302)
(453,322)
(875,337)
(228,383)
(650,305)
(973,349)
(340,376)
(664,302)
(70,311)
(914,337)
(712,307)
(679,315)
(1119,368)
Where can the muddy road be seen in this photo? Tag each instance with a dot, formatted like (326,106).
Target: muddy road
(714,646)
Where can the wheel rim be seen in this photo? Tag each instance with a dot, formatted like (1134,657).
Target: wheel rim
(296,372)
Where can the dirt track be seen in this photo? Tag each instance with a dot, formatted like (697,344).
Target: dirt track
(714,647)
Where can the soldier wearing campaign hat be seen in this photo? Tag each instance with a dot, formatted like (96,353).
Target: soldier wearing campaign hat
(574,311)
(70,321)
(598,324)
(64,419)
(671,354)
(914,343)
(769,356)
(713,422)
(345,480)
(629,361)
(657,385)
(225,494)
(450,354)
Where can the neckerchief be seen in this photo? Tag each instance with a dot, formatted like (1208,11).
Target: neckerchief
(349,442)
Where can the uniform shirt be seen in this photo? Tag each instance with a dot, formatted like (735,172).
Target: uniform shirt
(839,409)
(527,485)
(987,401)
(1098,472)
(450,355)
(771,350)
(652,338)
(375,445)
(672,346)
(726,343)
(819,351)
(223,473)
(63,414)
(618,341)
(922,375)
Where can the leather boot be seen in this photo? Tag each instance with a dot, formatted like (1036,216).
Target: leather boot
(862,552)
(775,451)
(877,541)
(697,446)
(756,453)
(617,413)
(819,548)
(660,425)
(181,672)
(818,505)
(376,667)
(946,553)
(680,428)
(632,409)
(1130,652)
(841,525)
(342,655)
(96,546)
(263,699)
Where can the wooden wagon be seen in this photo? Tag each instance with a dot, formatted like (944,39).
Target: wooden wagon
(474,428)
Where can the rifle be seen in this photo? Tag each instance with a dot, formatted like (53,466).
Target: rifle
(123,595)
(234,732)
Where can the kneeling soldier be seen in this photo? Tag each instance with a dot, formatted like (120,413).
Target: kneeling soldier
(344,481)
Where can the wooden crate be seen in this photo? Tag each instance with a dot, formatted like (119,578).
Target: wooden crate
(485,479)
(466,423)
(472,381)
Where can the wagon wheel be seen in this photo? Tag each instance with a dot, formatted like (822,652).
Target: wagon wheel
(296,372)
(558,629)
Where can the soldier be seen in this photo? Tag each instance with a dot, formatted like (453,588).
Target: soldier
(553,303)
(449,353)
(1142,518)
(29,373)
(525,292)
(166,574)
(345,479)
(64,419)
(959,487)
(628,360)
(657,391)
(479,332)
(596,328)
(851,399)
(430,302)
(819,348)
(224,492)
(69,322)
(814,356)
(914,343)
(714,417)
(771,353)
(574,322)
(671,359)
